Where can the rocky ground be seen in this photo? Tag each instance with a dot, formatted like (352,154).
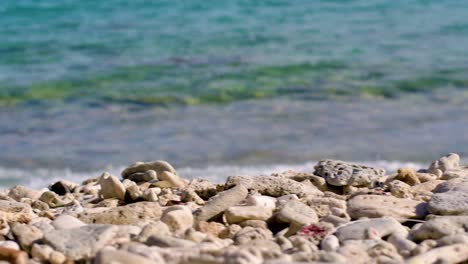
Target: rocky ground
(340,213)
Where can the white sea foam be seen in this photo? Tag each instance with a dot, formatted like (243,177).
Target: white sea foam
(40,178)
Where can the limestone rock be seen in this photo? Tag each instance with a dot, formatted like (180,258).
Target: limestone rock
(237,214)
(330,243)
(111,187)
(151,194)
(159,166)
(41,252)
(63,187)
(448,162)
(156,228)
(15,212)
(261,200)
(13,256)
(408,176)
(178,218)
(143,250)
(362,229)
(146,176)
(374,206)
(132,214)
(18,192)
(52,199)
(10,244)
(133,192)
(119,257)
(81,242)
(212,228)
(168,241)
(172,178)
(456,184)
(247,234)
(26,234)
(297,213)
(340,173)
(66,222)
(456,253)
(449,203)
(57,258)
(219,203)
(273,186)
(440,226)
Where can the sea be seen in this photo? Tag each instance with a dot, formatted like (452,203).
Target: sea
(221,88)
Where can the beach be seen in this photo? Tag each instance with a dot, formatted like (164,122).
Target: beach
(335,212)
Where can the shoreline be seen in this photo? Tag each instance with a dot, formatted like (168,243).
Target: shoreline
(150,214)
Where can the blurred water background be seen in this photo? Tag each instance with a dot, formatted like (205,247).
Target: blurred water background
(226,87)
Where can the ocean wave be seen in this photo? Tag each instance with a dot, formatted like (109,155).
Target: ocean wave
(41,178)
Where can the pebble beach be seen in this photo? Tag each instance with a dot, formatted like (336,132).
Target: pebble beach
(339,212)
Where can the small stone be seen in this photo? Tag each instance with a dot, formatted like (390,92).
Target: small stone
(172,178)
(237,214)
(212,228)
(82,242)
(159,166)
(286,198)
(400,189)
(18,192)
(151,194)
(359,230)
(111,187)
(52,199)
(448,162)
(340,173)
(375,206)
(26,234)
(43,223)
(10,244)
(132,214)
(440,226)
(178,218)
(57,258)
(156,228)
(107,256)
(456,184)
(262,200)
(143,250)
(13,256)
(189,195)
(273,186)
(247,234)
(168,241)
(330,243)
(456,253)
(11,212)
(147,176)
(63,187)
(254,223)
(133,192)
(230,231)
(408,176)
(41,252)
(219,203)
(204,188)
(162,184)
(297,213)
(449,203)
(40,205)
(66,222)
(402,244)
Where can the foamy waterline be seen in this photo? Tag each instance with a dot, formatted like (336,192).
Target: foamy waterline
(41,178)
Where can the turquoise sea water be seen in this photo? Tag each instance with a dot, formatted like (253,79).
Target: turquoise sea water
(88,84)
